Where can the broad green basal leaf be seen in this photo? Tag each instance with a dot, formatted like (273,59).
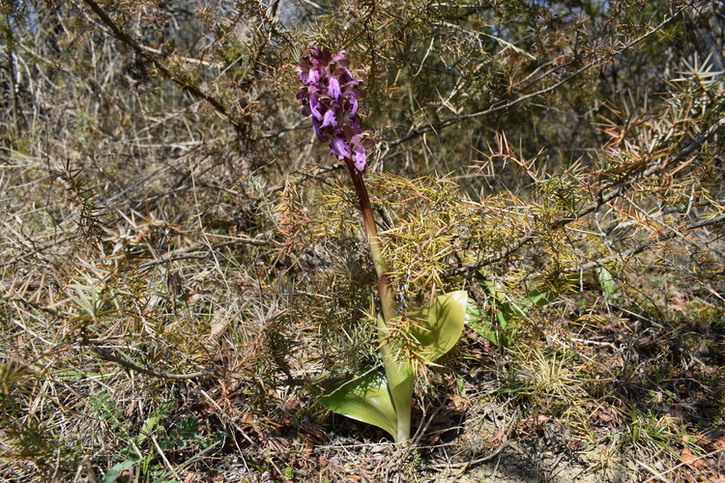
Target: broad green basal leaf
(362,397)
(606,280)
(440,323)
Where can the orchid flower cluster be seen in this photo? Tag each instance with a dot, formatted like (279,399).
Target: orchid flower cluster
(329,93)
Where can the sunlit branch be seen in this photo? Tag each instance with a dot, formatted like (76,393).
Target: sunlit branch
(602,198)
(503,104)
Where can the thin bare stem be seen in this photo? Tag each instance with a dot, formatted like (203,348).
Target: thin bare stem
(503,104)
(147,54)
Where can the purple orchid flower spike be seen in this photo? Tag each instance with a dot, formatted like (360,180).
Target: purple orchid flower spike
(329,93)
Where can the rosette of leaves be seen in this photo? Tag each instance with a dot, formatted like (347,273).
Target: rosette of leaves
(384,400)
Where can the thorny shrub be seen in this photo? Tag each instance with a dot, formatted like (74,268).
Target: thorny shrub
(177,263)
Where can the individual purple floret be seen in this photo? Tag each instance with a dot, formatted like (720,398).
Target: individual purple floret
(329,94)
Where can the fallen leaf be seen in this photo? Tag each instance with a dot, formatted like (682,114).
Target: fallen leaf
(690,459)
(219,323)
(458,402)
(500,436)
(719,443)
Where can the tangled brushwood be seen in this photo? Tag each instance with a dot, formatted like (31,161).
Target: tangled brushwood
(189,283)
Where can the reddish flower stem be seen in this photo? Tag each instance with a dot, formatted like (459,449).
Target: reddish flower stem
(399,373)
(387,300)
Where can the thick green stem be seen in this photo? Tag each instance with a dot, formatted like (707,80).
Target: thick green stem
(399,373)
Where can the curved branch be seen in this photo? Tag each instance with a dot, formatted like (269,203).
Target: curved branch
(504,104)
(146,54)
(111,356)
(188,252)
(647,244)
(602,198)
